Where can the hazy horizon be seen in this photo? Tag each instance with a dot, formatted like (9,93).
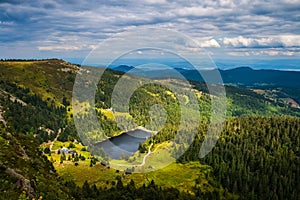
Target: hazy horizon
(258,34)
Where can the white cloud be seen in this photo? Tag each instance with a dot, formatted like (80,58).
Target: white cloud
(238,41)
(210,43)
(292,1)
(57,25)
(266,52)
(6,22)
(226,3)
(262,42)
(290,40)
(198,11)
(278,53)
(155,1)
(238,54)
(58,48)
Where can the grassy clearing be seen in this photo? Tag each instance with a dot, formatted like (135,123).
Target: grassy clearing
(165,173)
(96,174)
(57,145)
(159,158)
(181,176)
(108,113)
(44,78)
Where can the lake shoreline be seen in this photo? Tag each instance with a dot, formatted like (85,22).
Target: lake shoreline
(128,131)
(125,143)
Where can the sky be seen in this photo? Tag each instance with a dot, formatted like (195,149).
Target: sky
(234,33)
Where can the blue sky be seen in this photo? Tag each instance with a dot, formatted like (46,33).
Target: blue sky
(247,31)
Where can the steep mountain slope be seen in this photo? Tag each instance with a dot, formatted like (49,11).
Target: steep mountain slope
(256,157)
(34,108)
(25,171)
(51,79)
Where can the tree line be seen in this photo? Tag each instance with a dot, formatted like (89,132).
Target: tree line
(256,157)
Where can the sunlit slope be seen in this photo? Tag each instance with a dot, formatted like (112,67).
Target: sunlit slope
(48,78)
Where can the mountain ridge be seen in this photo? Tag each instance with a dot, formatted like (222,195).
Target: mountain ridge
(241,76)
(242,102)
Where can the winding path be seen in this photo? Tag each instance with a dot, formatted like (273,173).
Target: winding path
(52,142)
(145,157)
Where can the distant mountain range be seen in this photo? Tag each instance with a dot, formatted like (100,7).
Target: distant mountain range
(259,144)
(242,76)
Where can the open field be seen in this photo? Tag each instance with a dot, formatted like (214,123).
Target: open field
(181,176)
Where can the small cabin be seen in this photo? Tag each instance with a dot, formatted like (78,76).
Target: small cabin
(66,151)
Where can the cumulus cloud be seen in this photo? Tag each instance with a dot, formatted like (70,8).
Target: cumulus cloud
(266,52)
(231,24)
(210,43)
(155,1)
(58,48)
(262,42)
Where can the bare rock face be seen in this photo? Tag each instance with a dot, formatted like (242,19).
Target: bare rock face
(25,183)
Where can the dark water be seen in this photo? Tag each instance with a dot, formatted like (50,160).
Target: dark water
(126,143)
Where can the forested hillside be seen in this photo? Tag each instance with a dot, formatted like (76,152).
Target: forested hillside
(25,171)
(256,157)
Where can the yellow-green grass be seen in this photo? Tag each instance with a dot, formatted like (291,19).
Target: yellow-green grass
(45,78)
(80,107)
(177,175)
(135,159)
(181,176)
(171,94)
(79,174)
(198,93)
(152,94)
(159,158)
(108,113)
(58,145)
(78,146)
(69,110)
(123,114)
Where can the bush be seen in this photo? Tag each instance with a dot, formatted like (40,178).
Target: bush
(47,150)
(71,145)
(82,157)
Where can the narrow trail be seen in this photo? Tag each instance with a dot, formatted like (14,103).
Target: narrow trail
(55,139)
(145,157)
